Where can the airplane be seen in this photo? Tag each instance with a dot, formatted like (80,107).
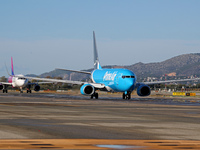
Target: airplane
(110,80)
(18,81)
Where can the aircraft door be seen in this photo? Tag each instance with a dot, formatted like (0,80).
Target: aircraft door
(117,78)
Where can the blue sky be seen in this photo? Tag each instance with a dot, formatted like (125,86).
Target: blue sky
(45,34)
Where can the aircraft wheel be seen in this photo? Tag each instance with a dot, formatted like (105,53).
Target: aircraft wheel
(126,96)
(5,91)
(123,96)
(96,95)
(92,96)
(129,96)
(28,91)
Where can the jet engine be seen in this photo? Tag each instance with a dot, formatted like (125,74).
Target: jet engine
(36,88)
(87,89)
(143,90)
(1,87)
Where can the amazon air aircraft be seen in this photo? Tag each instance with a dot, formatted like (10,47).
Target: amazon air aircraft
(110,80)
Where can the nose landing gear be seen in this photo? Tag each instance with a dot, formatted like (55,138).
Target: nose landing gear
(126,95)
(21,90)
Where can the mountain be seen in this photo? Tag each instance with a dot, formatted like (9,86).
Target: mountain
(182,65)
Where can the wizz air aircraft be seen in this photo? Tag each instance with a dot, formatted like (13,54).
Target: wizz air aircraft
(18,81)
(110,80)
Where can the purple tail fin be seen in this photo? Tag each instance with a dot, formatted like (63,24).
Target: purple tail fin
(12,69)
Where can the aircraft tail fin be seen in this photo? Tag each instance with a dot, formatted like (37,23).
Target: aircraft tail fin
(12,69)
(96,58)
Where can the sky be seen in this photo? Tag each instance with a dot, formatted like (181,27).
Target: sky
(42,35)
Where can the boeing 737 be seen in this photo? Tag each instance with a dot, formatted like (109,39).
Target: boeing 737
(18,81)
(111,80)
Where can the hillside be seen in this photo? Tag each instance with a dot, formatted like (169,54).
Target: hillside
(182,65)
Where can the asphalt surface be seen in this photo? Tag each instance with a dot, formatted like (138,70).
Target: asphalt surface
(74,117)
(56,116)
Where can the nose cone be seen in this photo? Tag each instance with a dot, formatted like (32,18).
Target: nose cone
(21,83)
(129,84)
(126,85)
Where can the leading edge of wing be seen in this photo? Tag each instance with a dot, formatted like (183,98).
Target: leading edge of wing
(169,81)
(85,72)
(55,80)
(96,85)
(5,83)
(35,83)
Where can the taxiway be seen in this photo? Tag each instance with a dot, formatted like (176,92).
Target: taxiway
(56,116)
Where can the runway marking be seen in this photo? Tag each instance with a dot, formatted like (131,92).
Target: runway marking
(99,144)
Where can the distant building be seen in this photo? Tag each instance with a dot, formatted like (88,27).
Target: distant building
(172,74)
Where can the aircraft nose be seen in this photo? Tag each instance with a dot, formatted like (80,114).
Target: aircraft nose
(21,82)
(130,84)
(126,85)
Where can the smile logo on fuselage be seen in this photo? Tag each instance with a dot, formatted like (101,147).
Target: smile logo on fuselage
(109,76)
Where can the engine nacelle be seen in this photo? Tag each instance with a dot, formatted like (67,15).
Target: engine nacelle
(37,88)
(143,90)
(1,87)
(87,89)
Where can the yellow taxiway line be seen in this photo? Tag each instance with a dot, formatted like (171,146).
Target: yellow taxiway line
(98,144)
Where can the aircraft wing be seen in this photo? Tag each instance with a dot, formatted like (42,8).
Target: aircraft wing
(55,80)
(47,80)
(85,72)
(5,83)
(34,83)
(170,81)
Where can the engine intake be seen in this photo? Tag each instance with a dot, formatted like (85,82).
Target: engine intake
(143,90)
(87,89)
(37,88)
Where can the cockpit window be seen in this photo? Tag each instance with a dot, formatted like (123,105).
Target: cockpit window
(128,77)
(20,78)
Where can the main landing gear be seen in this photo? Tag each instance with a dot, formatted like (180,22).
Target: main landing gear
(96,95)
(126,95)
(5,89)
(29,89)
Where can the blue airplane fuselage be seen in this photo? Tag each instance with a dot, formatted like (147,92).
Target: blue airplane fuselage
(119,80)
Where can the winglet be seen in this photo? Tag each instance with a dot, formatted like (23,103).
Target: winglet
(12,69)
(96,58)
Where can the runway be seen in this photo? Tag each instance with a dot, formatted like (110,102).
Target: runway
(98,124)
